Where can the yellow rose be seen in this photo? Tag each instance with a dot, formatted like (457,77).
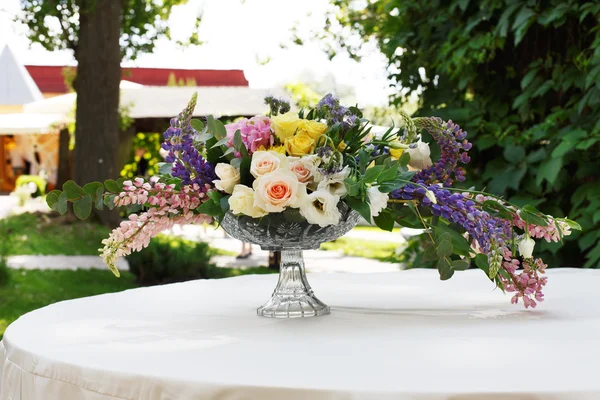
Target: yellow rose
(299,145)
(396,153)
(312,128)
(285,125)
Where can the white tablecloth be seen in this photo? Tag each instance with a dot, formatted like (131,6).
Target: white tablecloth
(403,335)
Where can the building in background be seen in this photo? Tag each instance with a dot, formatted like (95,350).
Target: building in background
(36,104)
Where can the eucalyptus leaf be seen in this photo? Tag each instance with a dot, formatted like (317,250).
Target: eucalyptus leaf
(83,207)
(61,205)
(73,190)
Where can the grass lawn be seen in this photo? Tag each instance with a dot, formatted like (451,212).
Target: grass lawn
(382,251)
(33,234)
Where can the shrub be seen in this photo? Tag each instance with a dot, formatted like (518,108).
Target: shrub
(7,234)
(168,259)
(522,77)
(39,182)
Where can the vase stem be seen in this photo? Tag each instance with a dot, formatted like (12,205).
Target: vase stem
(293,296)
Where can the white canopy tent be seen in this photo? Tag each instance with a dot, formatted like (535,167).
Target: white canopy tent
(167,101)
(16,85)
(31,123)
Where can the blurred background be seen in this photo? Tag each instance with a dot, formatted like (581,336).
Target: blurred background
(88,86)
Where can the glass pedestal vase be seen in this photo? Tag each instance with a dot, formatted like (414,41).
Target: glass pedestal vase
(293,296)
(289,233)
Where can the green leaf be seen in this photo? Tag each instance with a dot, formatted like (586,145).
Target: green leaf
(404,159)
(221,142)
(460,265)
(112,186)
(211,208)
(73,190)
(214,195)
(549,170)
(92,187)
(360,206)
(384,221)
(429,254)
(238,143)
(371,174)
(444,248)
(109,201)
(445,269)
(572,224)
(352,187)
(197,124)
(52,199)
(224,202)
(165,168)
(481,261)
(533,218)
(61,205)
(246,177)
(98,198)
(83,207)
(220,131)
(514,154)
(388,174)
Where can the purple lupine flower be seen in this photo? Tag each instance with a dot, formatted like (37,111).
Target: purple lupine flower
(454,147)
(188,164)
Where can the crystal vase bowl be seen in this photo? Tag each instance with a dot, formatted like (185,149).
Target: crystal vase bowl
(289,233)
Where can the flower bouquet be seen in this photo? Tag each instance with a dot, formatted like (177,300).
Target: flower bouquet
(291,180)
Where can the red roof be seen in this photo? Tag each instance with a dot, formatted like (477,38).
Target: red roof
(49,79)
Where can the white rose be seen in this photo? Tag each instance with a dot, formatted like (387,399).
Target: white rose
(229,175)
(264,162)
(526,247)
(242,202)
(334,183)
(419,156)
(277,190)
(377,200)
(320,208)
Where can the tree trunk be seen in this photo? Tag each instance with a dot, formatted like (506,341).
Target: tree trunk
(98,56)
(64,158)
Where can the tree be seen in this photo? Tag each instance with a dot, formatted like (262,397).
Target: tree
(523,77)
(100,33)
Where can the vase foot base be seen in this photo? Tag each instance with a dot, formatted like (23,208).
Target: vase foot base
(293,306)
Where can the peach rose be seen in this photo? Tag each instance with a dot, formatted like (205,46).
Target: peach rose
(301,171)
(264,162)
(277,190)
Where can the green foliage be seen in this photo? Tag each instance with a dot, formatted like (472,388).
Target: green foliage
(149,145)
(84,198)
(171,259)
(522,77)
(39,182)
(143,22)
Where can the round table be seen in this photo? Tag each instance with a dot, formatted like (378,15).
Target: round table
(400,335)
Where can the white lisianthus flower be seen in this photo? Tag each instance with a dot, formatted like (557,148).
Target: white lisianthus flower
(526,246)
(264,162)
(377,200)
(277,190)
(334,183)
(230,176)
(242,202)
(320,208)
(420,157)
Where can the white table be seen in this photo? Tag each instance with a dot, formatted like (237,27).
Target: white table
(402,335)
